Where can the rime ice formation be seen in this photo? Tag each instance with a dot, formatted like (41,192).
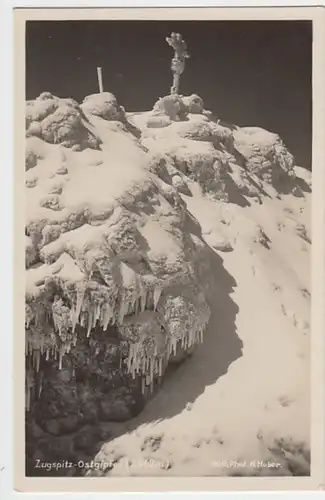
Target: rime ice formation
(123,213)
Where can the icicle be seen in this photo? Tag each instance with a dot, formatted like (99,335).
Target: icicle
(80,299)
(123,309)
(97,351)
(135,300)
(83,320)
(73,372)
(173,342)
(107,315)
(73,318)
(102,311)
(40,387)
(156,296)
(28,398)
(38,357)
(97,314)
(160,367)
(35,363)
(60,360)
(142,385)
(131,351)
(137,306)
(151,374)
(143,300)
(90,321)
(128,363)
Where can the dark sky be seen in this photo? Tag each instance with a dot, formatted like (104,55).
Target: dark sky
(253,73)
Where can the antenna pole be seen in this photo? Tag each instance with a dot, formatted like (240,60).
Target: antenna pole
(100,80)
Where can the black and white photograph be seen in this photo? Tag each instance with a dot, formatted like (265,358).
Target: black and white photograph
(168,243)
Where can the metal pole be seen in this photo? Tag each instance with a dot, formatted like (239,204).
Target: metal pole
(100,80)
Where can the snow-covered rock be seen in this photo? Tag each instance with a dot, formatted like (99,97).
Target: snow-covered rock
(171,106)
(59,121)
(104,105)
(194,104)
(147,235)
(265,155)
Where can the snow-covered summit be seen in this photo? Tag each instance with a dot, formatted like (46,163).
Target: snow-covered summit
(139,228)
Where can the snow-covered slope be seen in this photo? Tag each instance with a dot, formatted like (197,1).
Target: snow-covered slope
(167,231)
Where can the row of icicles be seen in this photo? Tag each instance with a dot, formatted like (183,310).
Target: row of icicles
(104,313)
(138,364)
